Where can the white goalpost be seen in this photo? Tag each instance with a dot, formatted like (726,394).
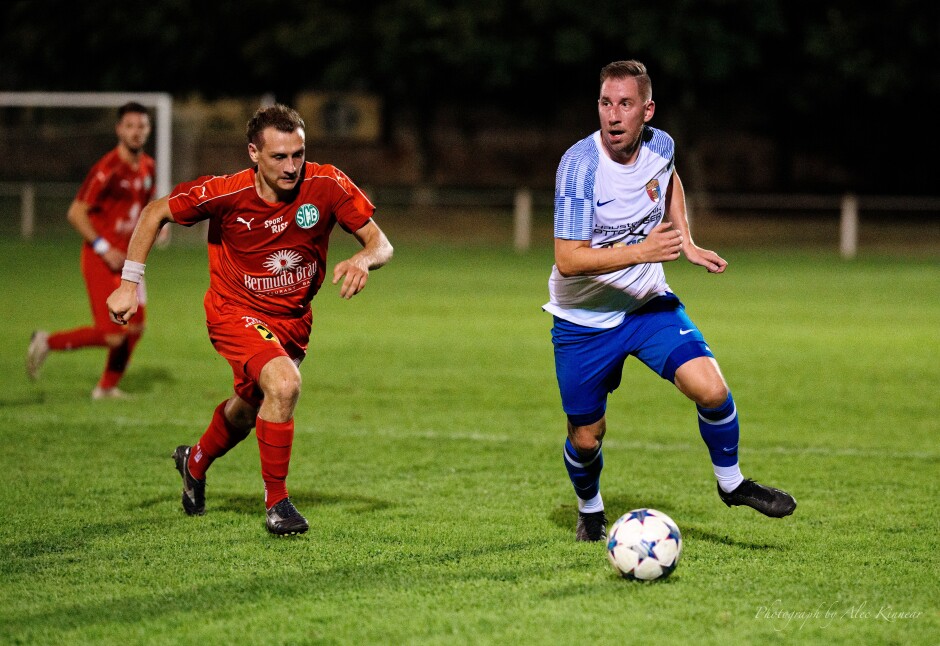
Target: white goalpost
(160,102)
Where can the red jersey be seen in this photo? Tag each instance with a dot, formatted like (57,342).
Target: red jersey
(116,193)
(270,257)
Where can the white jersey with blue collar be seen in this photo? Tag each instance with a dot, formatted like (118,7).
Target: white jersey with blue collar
(611,205)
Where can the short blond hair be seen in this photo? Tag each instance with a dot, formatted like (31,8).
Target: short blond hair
(630,69)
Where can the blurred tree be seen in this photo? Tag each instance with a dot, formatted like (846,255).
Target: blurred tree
(859,85)
(823,78)
(528,57)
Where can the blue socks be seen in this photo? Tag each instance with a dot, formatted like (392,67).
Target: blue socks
(584,470)
(719,429)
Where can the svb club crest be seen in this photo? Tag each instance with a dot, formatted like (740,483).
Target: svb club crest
(307,216)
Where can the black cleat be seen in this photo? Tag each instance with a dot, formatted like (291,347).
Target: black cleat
(591,527)
(284,519)
(194,491)
(767,500)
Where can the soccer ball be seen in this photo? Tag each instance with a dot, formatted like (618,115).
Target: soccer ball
(644,544)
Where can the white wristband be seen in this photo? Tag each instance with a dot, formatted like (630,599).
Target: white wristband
(101,246)
(133,271)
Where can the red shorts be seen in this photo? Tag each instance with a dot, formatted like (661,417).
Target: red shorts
(100,281)
(249,339)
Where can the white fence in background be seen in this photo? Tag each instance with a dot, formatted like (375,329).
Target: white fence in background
(847,205)
(522,203)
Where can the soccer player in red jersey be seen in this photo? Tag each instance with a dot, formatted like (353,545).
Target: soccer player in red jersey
(104,213)
(269,228)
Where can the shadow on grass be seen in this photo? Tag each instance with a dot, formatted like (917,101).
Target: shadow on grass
(254,503)
(566,517)
(251,504)
(694,533)
(30,555)
(589,590)
(23,556)
(136,382)
(222,594)
(144,379)
(23,399)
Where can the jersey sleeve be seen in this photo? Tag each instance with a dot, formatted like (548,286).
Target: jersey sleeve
(660,143)
(150,186)
(350,205)
(574,192)
(189,201)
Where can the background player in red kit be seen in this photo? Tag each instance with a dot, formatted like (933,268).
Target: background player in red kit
(104,213)
(269,228)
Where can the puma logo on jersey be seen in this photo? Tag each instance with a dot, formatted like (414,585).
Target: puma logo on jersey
(247,223)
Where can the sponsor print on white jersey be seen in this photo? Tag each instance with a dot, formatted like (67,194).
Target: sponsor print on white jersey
(610,205)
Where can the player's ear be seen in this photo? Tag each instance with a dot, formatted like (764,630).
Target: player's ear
(649,110)
(253,152)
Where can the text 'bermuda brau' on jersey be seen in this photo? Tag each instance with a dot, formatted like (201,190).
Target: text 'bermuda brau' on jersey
(270,257)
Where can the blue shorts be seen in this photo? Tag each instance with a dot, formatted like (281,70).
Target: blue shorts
(589,361)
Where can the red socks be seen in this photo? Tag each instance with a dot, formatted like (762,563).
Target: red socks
(275,440)
(118,358)
(218,439)
(83,337)
(274,443)
(80,337)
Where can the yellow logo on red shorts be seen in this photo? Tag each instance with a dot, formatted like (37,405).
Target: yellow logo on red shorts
(265,333)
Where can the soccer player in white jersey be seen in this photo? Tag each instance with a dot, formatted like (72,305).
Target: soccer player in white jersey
(620,213)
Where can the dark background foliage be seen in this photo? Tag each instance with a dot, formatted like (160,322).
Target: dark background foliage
(853,88)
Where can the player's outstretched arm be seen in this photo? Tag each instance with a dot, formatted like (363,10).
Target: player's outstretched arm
(122,303)
(677,213)
(354,271)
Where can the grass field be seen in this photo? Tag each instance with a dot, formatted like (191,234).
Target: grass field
(428,459)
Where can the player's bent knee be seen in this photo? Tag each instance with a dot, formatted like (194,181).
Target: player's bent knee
(584,442)
(114,340)
(700,380)
(280,381)
(283,389)
(584,437)
(706,392)
(713,396)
